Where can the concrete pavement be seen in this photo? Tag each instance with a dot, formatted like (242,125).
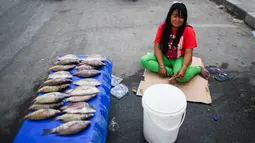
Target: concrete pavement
(34,32)
(242,9)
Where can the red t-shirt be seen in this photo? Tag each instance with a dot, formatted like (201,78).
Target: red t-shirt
(187,40)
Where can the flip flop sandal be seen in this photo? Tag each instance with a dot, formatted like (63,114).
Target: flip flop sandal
(213,70)
(223,77)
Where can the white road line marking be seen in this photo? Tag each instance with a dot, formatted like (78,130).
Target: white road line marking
(214,25)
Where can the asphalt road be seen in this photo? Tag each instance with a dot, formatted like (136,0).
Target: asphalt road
(34,32)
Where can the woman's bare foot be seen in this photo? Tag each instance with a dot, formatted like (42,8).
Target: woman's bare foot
(172,80)
(204,73)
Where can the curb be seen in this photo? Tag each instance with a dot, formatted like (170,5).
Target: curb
(237,8)
(250,20)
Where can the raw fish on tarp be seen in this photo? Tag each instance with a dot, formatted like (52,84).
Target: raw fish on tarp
(46,106)
(87,73)
(42,114)
(67,62)
(78,107)
(85,67)
(83,90)
(61,67)
(51,97)
(68,56)
(87,81)
(93,62)
(72,127)
(73,117)
(53,88)
(56,81)
(80,98)
(60,74)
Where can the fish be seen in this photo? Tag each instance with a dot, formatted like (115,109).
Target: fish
(60,74)
(42,114)
(78,108)
(56,81)
(53,88)
(73,117)
(52,97)
(68,56)
(69,128)
(80,98)
(61,67)
(98,57)
(67,62)
(87,73)
(83,90)
(87,81)
(84,67)
(93,62)
(46,106)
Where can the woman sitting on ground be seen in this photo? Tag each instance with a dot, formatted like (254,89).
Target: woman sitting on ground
(173,48)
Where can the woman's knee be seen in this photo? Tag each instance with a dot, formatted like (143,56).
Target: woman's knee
(187,76)
(144,59)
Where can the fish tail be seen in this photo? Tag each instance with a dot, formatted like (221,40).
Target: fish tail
(62,108)
(67,95)
(40,90)
(30,108)
(33,101)
(26,117)
(89,115)
(56,63)
(64,100)
(75,73)
(79,59)
(46,132)
(42,85)
(68,91)
(55,119)
(80,63)
(49,69)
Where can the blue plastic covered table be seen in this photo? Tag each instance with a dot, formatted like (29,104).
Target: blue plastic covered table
(31,131)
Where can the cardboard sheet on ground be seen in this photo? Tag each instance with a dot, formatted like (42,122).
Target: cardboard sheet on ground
(196,90)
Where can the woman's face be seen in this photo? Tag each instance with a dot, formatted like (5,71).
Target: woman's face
(176,20)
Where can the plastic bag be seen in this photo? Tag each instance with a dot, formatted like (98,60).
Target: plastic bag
(119,91)
(116,80)
(113,125)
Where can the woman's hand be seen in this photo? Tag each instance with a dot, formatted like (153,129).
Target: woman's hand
(180,74)
(162,71)
(187,60)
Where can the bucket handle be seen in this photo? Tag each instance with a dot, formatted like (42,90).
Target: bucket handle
(183,117)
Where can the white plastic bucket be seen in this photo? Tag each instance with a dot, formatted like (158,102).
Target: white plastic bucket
(164,112)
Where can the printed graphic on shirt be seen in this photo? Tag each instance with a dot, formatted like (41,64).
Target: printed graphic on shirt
(174,52)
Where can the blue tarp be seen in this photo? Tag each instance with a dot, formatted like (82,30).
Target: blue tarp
(31,131)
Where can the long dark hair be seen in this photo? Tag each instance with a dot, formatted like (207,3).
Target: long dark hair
(182,10)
